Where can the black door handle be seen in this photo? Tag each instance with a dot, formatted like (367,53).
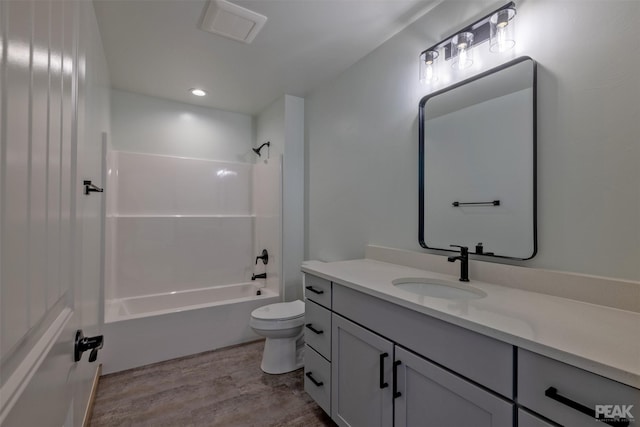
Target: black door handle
(382,383)
(314,290)
(83,344)
(552,393)
(313,380)
(317,331)
(396,393)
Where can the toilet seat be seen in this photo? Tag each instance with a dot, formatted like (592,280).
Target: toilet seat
(279,311)
(282,315)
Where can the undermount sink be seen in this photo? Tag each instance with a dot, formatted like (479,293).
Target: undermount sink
(437,288)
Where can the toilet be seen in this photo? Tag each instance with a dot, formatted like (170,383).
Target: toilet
(282,326)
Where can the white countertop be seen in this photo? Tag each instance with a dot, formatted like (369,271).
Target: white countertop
(596,338)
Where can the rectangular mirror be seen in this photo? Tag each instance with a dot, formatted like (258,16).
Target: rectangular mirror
(477,172)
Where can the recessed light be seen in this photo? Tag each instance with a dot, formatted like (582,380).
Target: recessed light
(197,92)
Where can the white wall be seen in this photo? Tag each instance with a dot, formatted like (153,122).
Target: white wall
(282,124)
(293,196)
(362,138)
(145,124)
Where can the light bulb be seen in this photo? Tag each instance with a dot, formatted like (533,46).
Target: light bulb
(502,36)
(427,66)
(197,92)
(461,44)
(429,72)
(462,56)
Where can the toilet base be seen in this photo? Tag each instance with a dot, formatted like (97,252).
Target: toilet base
(282,355)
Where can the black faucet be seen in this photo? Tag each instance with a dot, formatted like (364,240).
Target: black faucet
(259,276)
(464,262)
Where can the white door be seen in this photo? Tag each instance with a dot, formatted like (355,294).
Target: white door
(42,214)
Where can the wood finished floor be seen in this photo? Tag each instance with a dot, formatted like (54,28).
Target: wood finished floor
(219,388)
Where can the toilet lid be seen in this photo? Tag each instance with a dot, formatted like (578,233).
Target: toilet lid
(279,311)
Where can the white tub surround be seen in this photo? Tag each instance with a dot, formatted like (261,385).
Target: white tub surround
(597,338)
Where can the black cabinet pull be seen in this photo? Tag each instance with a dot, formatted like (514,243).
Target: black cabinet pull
(315,291)
(313,380)
(396,393)
(309,326)
(552,393)
(382,383)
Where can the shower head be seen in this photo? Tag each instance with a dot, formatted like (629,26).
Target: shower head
(257,150)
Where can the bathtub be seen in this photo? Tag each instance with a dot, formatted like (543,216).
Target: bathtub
(152,328)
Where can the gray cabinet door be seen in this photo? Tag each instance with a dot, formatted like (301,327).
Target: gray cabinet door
(432,396)
(359,395)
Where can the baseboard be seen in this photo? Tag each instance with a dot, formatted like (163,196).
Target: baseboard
(92,398)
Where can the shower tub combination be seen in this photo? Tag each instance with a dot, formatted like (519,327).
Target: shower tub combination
(178,279)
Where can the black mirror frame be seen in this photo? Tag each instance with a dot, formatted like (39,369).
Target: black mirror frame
(421,135)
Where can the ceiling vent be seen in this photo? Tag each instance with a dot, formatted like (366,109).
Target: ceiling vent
(232,21)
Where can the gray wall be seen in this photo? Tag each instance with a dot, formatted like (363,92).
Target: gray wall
(361,135)
(145,124)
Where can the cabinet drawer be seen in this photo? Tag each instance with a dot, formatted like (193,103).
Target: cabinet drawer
(526,419)
(317,331)
(317,378)
(482,359)
(318,290)
(576,388)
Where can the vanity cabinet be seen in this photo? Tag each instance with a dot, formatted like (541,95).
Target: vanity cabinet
(317,336)
(371,362)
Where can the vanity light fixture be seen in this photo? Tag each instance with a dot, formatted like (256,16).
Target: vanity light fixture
(197,92)
(428,72)
(496,27)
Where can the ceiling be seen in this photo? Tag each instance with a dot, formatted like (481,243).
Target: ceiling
(155,47)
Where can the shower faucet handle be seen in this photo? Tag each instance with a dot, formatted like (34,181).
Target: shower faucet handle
(264,257)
